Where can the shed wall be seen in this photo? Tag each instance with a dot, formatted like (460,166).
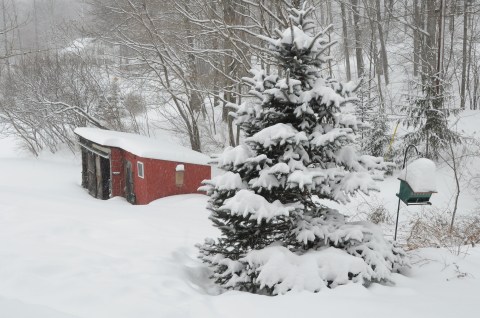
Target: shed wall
(140,185)
(159,177)
(118,172)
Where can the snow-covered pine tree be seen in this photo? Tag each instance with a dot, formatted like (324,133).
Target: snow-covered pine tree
(111,108)
(427,113)
(275,235)
(370,111)
(377,137)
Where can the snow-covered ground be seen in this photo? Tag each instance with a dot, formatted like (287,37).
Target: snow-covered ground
(64,254)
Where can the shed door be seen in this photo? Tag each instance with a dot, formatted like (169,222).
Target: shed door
(106,182)
(129,191)
(91,174)
(84,168)
(102,170)
(98,170)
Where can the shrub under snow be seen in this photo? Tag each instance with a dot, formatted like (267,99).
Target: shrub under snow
(353,252)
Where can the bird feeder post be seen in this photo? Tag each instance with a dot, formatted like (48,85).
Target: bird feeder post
(399,198)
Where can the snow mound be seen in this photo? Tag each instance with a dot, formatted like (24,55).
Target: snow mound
(420,175)
(284,271)
(143,146)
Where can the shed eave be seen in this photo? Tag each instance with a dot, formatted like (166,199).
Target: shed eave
(98,152)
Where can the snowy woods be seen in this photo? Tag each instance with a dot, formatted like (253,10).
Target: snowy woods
(176,66)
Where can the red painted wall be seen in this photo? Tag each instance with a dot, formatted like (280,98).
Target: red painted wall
(117,172)
(159,177)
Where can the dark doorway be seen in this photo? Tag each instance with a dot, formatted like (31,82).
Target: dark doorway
(106,182)
(129,191)
(84,168)
(102,168)
(96,174)
(91,174)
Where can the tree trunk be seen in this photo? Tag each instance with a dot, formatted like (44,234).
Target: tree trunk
(229,16)
(195,99)
(416,38)
(476,83)
(322,14)
(216,73)
(358,38)
(388,15)
(35,19)
(429,52)
(374,51)
(469,59)
(441,47)
(464,54)
(330,21)
(5,37)
(345,41)
(381,37)
(452,37)
(19,38)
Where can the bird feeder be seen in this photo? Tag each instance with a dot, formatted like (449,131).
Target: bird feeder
(410,197)
(417,182)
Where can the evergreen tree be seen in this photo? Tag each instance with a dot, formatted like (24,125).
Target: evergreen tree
(275,235)
(374,129)
(378,138)
(428,115)
(112,108)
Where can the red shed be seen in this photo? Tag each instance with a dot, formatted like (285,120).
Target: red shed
(138,168)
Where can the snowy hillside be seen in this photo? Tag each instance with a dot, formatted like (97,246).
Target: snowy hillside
(64,254)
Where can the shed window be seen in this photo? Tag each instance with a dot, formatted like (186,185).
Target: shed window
(179,175)
(140,169)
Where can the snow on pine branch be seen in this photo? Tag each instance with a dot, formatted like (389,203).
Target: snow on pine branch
(330,228)
(247,203)
(323,95)
(232,157)
(266,180)
(228,181)
(353,182)
(348,157)
(278,134)
(306,179)
(334,135)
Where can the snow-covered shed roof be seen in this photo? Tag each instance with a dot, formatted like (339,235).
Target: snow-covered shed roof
(142,146)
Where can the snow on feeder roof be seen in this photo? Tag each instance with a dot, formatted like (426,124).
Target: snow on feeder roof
(420,175)
(143,146)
